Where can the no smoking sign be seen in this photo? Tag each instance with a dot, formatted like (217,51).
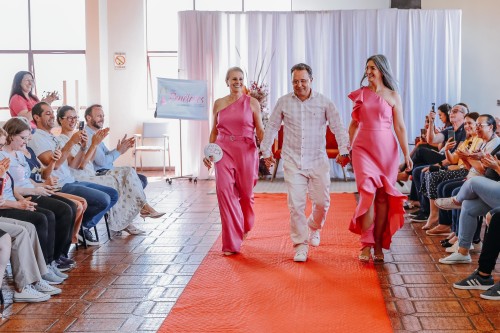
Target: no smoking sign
(119,60)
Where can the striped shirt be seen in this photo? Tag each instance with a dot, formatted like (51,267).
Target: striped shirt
(304,129)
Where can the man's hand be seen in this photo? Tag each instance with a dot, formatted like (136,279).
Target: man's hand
(125,144)
(269,161)
(99,136)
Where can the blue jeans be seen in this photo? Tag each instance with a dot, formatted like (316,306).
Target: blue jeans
(418,177)
(444,190)
(99,199)
(478,196)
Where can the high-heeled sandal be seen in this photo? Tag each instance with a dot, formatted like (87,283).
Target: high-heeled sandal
(153,215)
(364,257)
(378,258)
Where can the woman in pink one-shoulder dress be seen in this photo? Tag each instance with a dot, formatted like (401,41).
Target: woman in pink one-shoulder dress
(375,158)
(237,121)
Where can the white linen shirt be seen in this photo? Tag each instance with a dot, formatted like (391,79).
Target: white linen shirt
(305,122)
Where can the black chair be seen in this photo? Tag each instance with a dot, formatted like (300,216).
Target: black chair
(106,216)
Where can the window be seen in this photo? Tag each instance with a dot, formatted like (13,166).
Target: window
(46,37)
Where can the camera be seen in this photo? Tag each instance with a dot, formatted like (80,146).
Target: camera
(433,105)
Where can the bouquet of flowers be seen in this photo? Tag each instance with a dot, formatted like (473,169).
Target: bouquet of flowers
(260,91)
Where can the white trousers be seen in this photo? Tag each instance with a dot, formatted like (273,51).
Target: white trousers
(301,183)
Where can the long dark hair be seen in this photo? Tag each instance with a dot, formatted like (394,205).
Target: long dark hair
(16,86)
(384,67)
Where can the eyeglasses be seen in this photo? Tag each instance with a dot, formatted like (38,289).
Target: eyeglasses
(454,111)
(483,125)
(296,82)
(70,118)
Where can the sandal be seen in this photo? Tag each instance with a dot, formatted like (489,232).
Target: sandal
(364,257)
(378,258)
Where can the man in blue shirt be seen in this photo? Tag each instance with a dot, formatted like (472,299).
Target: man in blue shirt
(104,158)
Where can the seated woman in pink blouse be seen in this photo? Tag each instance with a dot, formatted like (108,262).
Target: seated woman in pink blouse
(22,98)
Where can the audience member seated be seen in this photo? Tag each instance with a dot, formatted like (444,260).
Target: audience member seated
(132,199)
(99,198)
(104,158)
(425,156)
(481,278)
(476,197)
(455,169)
(27,262)
(18,134)
(22,99)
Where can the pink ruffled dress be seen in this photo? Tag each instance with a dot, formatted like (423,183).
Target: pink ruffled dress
(375,160)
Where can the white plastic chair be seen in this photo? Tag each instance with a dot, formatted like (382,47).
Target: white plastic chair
(152,130)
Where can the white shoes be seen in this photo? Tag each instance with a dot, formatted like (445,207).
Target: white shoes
(314,237)
(43,287)
(300,256)
(454,248)
(456,258)
(30,295)
(50,277)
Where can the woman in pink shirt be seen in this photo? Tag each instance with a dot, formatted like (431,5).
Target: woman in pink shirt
(22,98)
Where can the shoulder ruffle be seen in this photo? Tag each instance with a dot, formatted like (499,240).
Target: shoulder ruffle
(357,97)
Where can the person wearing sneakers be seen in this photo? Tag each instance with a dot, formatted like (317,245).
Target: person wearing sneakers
(32,277)
(476,197)
(305,114)
(481,278)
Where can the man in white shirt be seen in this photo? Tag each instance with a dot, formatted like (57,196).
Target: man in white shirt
(305,115)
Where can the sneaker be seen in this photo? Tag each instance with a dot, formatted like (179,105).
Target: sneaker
(456,258)
(30,295)
(51,277)
(43,287)
(475,281)
(89,237)
(493,293)
(448,203)
(67,260)
(300,256)
(62,266)
(314,237)
(54,267)
(454,248)
(420,217)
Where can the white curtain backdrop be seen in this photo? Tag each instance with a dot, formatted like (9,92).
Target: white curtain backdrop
(423,46)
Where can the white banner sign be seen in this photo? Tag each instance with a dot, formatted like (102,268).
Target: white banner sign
(182,99)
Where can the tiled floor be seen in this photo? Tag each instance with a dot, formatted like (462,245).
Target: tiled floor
(129,284)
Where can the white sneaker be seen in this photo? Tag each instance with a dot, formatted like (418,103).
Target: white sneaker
(456,258)
(300,256)
(51,277)
(30,295)
(43,287)
(454,248)
(56,271)
(314,237)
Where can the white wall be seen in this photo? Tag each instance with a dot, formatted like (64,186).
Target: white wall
(480,51)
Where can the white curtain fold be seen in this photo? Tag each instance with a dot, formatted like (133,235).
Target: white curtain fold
(423,46)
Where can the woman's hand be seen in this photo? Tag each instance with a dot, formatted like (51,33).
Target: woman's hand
(83,139)
(488,219)
(56,155)
(208,162)
(43,191)
(409,163)
(490,161)
(450,144)
(26,204)
(4,166)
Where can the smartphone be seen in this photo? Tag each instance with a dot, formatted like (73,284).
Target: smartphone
(433,107)
(423,132)
(451,134)
(81,125)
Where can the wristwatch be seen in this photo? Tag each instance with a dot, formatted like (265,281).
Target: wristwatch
(345,155)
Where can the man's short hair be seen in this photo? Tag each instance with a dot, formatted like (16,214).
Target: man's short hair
(37,109)
(88,111)
(301,67)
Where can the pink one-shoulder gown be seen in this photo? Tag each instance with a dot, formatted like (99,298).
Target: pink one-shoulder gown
(375,160)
